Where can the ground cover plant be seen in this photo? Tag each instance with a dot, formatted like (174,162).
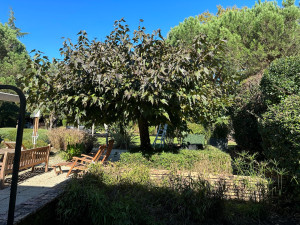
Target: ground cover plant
(209,160)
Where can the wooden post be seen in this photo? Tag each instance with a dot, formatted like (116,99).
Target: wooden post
(36,116)
(106,131)
(93,129)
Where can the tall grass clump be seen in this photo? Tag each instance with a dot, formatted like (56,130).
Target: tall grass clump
(277,178)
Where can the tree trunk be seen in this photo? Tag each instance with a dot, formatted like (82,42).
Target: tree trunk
(93,129)
(51,120)
(144,134)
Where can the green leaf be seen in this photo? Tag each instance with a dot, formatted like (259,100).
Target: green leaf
(164,101)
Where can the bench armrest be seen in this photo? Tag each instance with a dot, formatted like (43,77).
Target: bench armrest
(82,159)
(86,156)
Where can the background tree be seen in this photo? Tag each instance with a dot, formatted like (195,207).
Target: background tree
(12,25)
(141,79)
(41,88)
(13,59)
(255,36)
(13,55)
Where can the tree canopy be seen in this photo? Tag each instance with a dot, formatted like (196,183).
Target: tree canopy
(141,79)
(255,36)
(13,54)
(13,60)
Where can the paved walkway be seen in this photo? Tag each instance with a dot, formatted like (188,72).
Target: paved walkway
(35,189)
(31,188)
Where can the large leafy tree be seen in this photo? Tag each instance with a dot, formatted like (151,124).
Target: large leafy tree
(255,36)
(141,79)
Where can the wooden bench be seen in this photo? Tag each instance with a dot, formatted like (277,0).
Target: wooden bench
(29,158)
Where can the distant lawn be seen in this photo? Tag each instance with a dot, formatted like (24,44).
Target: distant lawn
(9,134)
(136,140)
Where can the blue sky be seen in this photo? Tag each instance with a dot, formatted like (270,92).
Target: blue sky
(47,21)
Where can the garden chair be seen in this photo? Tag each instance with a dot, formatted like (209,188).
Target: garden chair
(82,163)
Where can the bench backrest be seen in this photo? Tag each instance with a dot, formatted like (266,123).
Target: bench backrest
(29,158)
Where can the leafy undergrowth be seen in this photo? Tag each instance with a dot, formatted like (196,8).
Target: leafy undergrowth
(209,160)
(131,197)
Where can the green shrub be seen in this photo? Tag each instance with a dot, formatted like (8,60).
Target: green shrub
(122,141)
(9,134)
(61,137)
(73,150)
(281,79)
(64,122)
(220,129)
(280,130)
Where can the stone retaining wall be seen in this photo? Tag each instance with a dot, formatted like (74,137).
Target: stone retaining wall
(233,186)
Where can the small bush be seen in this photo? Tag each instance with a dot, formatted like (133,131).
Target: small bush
(61,137)
(220,131)
(122,134)
(196,128)
(73,150)
(280,130)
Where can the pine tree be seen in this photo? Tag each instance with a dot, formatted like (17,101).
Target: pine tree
(255,36)
(12,25)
